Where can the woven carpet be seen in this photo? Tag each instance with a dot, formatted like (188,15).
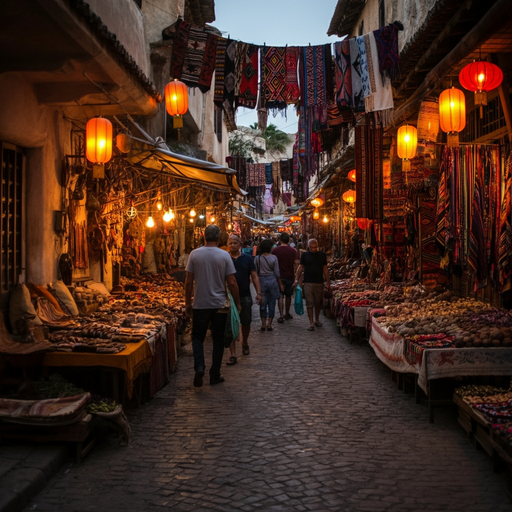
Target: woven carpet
(248,94)
(273,78)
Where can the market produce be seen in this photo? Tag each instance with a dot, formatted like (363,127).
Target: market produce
(101,405)
(56,386)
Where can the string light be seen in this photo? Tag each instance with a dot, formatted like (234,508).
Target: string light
(192,213)
(150,223)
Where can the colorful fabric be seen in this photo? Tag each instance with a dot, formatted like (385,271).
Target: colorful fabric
(443,199)
(230,74)
(369,181)
(499,412)
(287,169)
(343,74)
(355,73)
(292,91)
(240,53)
(416,347)
(365,77)
(239,164)
(505,232)
(179,48)
(313,76)
(248,93)
(268,174)
(381,97)
(273,76)
(220,58)
(255,175)
(335,116)
(387,46)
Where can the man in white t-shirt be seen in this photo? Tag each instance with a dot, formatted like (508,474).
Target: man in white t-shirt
(209,270)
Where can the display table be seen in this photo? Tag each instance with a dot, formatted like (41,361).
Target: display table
(135,360)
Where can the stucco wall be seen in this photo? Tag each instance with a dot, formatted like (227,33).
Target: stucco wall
(158,15)
(412,13)
(124,19)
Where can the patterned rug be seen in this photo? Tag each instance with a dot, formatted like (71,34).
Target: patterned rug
(273,78)
(355,64)
(387,47)
(248,94)
(292,93)
(230,73)
(505,234)
(343,74)
(220,57)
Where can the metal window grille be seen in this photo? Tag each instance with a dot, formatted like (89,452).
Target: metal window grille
(11,211)
(493,119)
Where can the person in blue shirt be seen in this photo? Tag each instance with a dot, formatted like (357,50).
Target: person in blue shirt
(245,271)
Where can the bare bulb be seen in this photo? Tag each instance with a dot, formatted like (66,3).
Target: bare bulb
(150,223)
(212,219)
(192,213)
(167,216)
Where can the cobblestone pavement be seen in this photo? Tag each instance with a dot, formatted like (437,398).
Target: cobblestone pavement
(306,422)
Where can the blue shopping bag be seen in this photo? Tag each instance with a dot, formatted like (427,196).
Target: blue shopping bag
(299,306)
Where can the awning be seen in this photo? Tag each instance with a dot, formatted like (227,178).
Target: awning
(259,221)
(156,155)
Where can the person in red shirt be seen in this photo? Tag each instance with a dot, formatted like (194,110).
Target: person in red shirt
(288,259)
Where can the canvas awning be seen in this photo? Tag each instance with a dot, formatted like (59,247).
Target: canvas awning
(259,221)
(156,155)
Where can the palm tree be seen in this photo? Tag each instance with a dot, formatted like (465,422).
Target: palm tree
(276,140)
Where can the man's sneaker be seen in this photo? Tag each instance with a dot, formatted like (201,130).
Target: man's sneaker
(216,380)
(198,379)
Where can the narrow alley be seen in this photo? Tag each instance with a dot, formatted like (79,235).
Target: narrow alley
(307,421)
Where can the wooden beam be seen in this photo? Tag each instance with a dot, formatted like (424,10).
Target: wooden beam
(495,18)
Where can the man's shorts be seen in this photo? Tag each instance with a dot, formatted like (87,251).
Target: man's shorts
(246,313)
(314,294)
(288,287)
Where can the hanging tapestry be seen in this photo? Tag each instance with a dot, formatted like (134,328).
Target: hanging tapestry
(329,73)
(238,163)
(292,91)
(504,262)
(268,174)
(443,199)
(229,73)
(248,95)
(381,98)
(273,78)
(220,61)
(365,77)
(355,73)
(335,116)
(268,203)
(387,47)
(287,169)
(276,182)
(195,66)
(369,183)
(240,54)
(255,175)
(343,74)
(286,197)
(312,72)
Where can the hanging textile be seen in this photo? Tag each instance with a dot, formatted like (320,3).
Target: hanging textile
(268,202)
(381,98)
(220,61)
(273,78)
(240,56)
(292,91)
(286,169)
(239,164)
(286,197)
(276,182)
(369,182)
(193,59)
(248,93)
(504,262)
(357,88)
(255,175)
(230,74)
(343,74)
(387,46)
(443,199)
(365,77)
(268,174)
(335,116)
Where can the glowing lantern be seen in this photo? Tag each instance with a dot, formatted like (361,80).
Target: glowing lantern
(191,219)
(294,219)
(98,140)
(325,219)
(168,216)
(349,196)
(317,202)
(230,226)
(150,223)
(123,143)
(316,214)
(480,77)
(352,175)
(176,101)
(452,114)
(363,223)
(212,219)
(406,142)
(192,213)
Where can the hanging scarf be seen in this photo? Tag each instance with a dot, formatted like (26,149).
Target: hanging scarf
(287,169)
(443,199)
(292,92)
(268,174)
(313,79)
(382,94)
(387,46)
(365,76)
(230,74)
(504,263)
(248,93)
(179,48)
(343,74)
(220,61)
(355,64)
(273,76)
(239,164)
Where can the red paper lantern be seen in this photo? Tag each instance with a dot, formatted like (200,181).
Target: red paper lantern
(480,76)
(176,101)
(352,175)
(349,196)
(98,140)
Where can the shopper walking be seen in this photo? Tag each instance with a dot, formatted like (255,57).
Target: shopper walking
(288,259)
(209,270)
(245,271)
(267,268)
(313,263)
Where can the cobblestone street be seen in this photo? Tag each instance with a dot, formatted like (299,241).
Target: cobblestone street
(307,421)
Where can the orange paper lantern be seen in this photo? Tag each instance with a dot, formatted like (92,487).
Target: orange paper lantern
(176,101)
(407,141)
(349,196)
(452,110)
(317,201)
(316,214)
(352,175)
(98,140)
(363,223)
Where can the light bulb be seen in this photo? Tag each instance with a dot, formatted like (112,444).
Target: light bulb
(167,216)
(150,223)
(171,214)
(325,219)
(316,215)
(481,77)
(159,205)
(212,219)
(191,219)
(192,213)
(230,226)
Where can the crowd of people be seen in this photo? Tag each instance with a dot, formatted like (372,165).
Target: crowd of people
(219,277)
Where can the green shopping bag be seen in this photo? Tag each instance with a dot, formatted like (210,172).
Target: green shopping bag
(232,329)
(299,306)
